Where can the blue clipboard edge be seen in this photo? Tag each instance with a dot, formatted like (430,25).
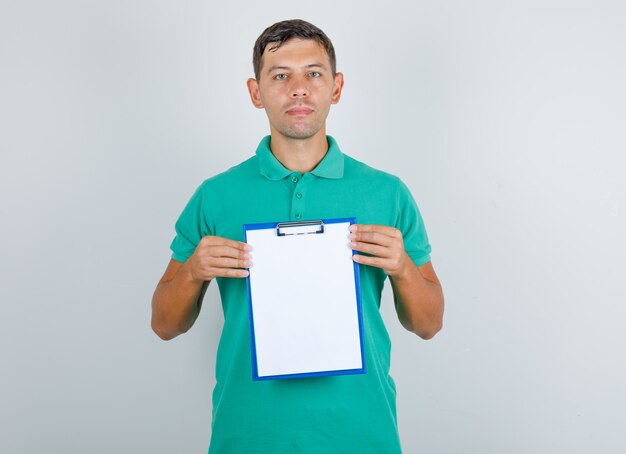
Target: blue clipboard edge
(357,283)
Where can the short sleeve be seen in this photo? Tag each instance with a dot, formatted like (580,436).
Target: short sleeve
(410,223)
(191,226)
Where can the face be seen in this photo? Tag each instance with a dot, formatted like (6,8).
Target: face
(296,88)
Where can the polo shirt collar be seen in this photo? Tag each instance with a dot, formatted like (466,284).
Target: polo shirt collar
(331,165)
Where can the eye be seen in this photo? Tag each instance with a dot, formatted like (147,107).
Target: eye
(314,74)
(280,76)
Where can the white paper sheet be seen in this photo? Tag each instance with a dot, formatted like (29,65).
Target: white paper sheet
(304,302)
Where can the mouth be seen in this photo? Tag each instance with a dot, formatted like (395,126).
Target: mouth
(299,111)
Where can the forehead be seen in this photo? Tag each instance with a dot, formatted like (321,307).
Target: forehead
(295,51)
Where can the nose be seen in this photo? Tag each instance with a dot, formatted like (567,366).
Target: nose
(299,87)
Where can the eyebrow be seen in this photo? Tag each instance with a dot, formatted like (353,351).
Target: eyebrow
(313,65)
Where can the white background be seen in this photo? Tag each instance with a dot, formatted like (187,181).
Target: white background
(505,119)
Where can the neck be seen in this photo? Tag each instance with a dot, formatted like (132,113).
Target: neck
(299,155)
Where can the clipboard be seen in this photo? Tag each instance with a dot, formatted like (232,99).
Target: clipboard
(304,300)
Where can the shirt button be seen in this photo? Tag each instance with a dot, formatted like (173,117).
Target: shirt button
(294,179)
(298,216)
(299,195)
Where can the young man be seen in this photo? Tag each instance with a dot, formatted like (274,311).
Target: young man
(299,173)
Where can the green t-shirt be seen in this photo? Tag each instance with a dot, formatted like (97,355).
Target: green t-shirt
(334,414)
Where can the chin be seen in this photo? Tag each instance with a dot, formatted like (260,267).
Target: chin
(300,133)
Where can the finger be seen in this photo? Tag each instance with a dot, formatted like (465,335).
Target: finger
(226,262)
(374,249)
(229,272)
(221,241)
(372,237)
(370,261)
(226,251)
(382,229)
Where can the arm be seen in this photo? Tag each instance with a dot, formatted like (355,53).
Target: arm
(416,290)
(178,296)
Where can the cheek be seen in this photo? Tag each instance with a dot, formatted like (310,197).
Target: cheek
(272,109)
(270,96)
(266,99)
(324,92)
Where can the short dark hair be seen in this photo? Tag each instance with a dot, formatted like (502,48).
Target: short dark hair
(283,31)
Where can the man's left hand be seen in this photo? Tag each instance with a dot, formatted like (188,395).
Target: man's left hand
(384,243)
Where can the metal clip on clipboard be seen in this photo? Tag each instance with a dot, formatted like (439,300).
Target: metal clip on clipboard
(299,228)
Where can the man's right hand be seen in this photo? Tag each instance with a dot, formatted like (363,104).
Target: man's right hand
(216,256)
(178,297)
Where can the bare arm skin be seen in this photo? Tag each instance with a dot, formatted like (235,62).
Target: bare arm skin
(416,290)
(178,296)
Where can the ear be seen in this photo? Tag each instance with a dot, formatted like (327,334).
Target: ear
(253,89)
(337,87)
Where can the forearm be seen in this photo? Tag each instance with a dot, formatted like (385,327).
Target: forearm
(176,303)
(419,301)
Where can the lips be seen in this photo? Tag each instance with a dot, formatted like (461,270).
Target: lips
(299,111)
